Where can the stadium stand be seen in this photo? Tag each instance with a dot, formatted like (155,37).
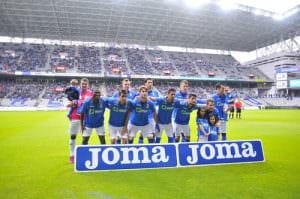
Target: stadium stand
(89,60)
(23,57)
(116,61)
(63,58)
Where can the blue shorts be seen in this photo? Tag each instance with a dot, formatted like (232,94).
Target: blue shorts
(213,137)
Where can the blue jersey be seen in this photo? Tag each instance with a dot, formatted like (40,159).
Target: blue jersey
(220,103)
(213,130)
(204,123)
(180,95)
(183,112)
(215,113)
(165,110)
(118,112)
(93,114)
(229,98)
(140,112)
(130,95)
(201,101)
(156,94)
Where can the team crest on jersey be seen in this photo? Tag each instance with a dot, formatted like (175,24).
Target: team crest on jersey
(140,110)
(220,104)
(165,107)
(185,112)
(117,109)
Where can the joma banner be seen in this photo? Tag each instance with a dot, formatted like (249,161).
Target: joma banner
(119,157)
(126,157)
(220,153)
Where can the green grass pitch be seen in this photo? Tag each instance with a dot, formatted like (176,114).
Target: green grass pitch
(34,149)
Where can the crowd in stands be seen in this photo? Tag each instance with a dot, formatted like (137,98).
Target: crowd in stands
(89,60)
(183,63)
(114,63)
(22,57)
(63,56)
(160,62)
(131,61)
(52,92)
(138,62)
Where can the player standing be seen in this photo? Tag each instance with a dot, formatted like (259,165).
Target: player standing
(92,117)
(73,115)
(126,85)
(139,122)
(221,105)
(151,93)
(182,94)
(166,106)
(182,117)
(118,118)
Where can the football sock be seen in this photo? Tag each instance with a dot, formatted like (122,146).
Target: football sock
(102,139)
(183,138)
(72,146)
(150,140)
(170,139)
(157,140)
(224,137)
(85,140)
(141,140)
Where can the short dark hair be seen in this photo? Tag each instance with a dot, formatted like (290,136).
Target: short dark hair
(192,95)
(171,90)
(198,112)
(97,90)
(148,79)
(122,91)
(218,86)
(209,100)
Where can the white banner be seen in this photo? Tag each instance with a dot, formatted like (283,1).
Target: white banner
(281,76)
(281,84)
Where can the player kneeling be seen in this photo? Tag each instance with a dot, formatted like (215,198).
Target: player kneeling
(140,121)
(118,119)
(92,117)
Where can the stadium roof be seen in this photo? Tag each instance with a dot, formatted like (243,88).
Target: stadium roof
(145,22)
